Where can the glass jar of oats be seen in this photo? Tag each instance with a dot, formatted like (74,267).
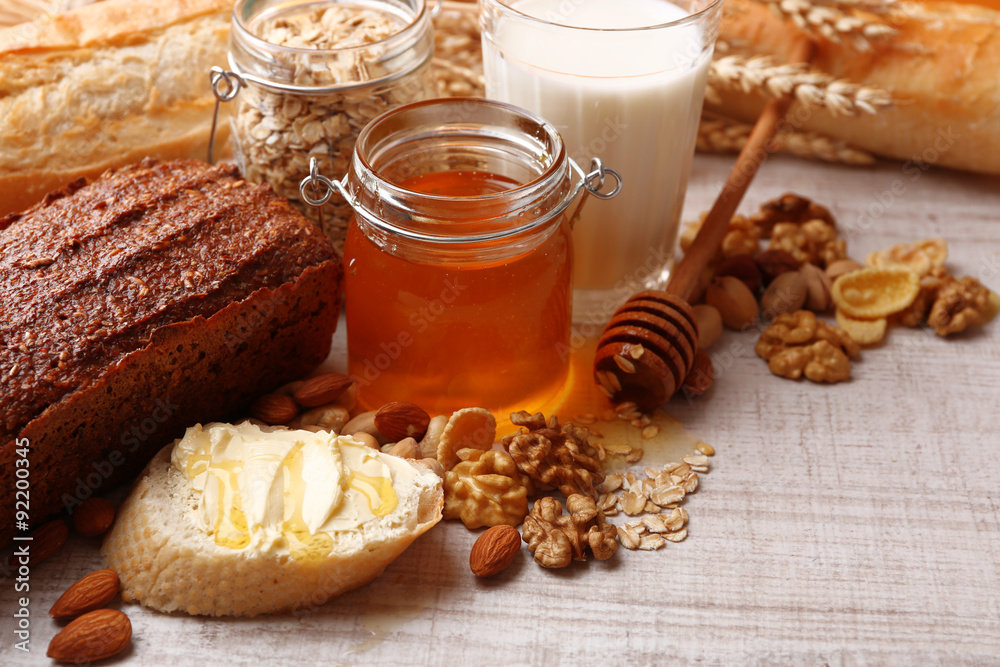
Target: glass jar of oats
(310,77)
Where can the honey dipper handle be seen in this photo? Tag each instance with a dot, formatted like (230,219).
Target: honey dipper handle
(685,275)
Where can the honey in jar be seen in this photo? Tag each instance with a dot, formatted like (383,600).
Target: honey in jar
(459,259)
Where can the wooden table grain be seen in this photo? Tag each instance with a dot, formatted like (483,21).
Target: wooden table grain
(840,525)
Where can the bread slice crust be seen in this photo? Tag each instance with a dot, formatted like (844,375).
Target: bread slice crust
(167,562)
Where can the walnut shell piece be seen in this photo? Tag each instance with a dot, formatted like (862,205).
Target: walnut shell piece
(474,428)
(556,540)
(789,207)
(814,241)
(485,488)
(554,457)
(959,304)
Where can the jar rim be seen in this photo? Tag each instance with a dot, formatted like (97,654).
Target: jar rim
(694,17)
(555,163)
(555,177)
(402,36)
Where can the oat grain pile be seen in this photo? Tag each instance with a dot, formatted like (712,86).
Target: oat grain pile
(276,132)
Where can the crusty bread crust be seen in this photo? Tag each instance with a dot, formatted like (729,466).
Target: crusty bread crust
(165,561)
(99,378)
(940,68)
(106,85)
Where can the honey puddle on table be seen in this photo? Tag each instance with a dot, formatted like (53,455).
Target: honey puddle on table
(584,402)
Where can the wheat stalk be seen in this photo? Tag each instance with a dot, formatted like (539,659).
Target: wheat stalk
(811,88)
(838,20)
(718,134)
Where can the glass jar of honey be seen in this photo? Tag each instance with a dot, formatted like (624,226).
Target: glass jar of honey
(459,257)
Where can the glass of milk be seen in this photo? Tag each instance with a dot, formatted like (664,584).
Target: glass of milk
(622,80)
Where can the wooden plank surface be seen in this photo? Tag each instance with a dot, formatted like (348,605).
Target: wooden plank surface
(847,524)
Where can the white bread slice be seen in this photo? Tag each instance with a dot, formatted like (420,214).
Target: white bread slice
(107,85)
(166,561)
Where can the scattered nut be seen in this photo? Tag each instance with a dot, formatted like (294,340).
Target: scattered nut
(401,419)
(474,428)
(93,517)
(96,635)
(786,293)
(554,457)
(705,448)
(365,439)
(818,287)
(429,443)
(797,344)
(274,409)
(743,267)
(93,591)
(365,423)
(405,449)
(494,551)
(485,488)
(321,389)
(735,302)
(774,262)
(329,417)
(557,540)
(709,325)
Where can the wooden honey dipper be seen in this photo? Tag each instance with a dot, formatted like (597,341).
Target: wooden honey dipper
(649,346)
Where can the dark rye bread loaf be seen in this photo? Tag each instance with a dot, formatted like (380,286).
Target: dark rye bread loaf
(156,297)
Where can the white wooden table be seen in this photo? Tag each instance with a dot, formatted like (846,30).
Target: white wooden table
(847,524)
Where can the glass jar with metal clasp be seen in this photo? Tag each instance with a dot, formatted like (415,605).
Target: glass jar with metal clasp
(307,76)
(459,256)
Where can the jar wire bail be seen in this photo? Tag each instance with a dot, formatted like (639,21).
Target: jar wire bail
(233,82)
(591,183)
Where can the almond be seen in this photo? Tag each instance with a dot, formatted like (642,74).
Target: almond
(400,420)
(274,409)
(93,517)
(495,550)
(92,592)
(46,540)
(321,389)
(94,636)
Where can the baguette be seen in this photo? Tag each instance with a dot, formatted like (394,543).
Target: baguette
(169,559)
(940,68)
(161,295)
(104,86)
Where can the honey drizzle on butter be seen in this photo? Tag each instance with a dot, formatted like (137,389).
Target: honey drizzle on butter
(381,486)
(230,528)
(302,544)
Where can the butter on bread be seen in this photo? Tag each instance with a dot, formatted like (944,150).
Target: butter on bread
(103,86)
(160,295)
(241,520)
(940,67)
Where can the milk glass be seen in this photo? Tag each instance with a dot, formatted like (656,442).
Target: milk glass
(622,80)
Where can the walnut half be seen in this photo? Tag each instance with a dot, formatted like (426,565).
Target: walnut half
(485,489)
(557,540)
(798,344)
(554,457)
